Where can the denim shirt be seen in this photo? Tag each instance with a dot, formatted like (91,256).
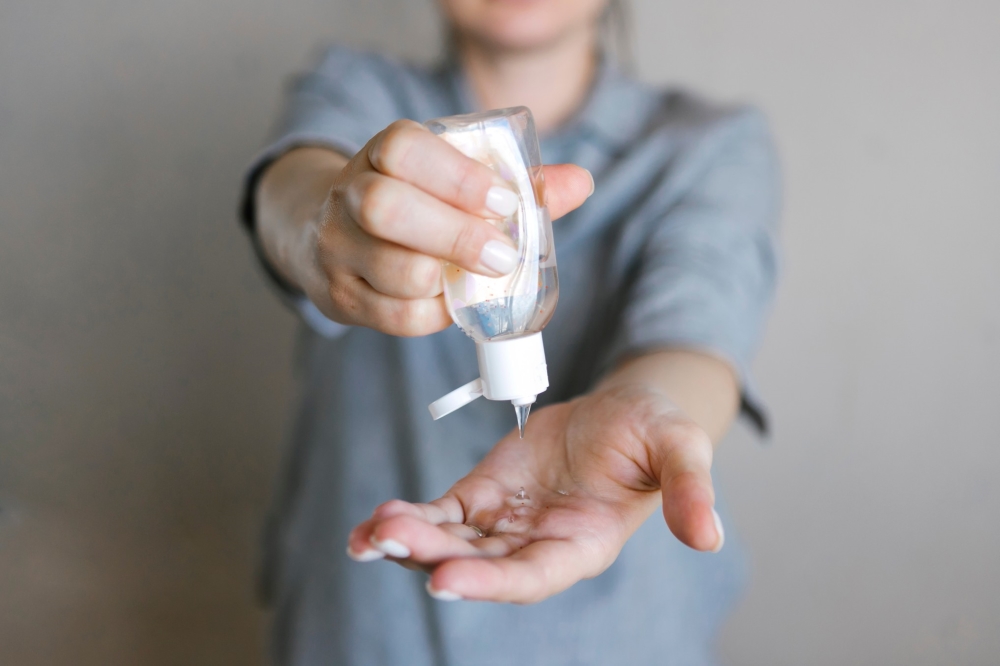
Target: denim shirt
(676,248)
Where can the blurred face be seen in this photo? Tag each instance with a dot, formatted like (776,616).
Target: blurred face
(521,24)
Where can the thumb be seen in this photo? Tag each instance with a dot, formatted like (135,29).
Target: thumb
(686,485)
(567,186)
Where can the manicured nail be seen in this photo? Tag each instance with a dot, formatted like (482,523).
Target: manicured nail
(442,595)
(502,201)
(369,555)
(498,256)
(593,185)
(392,548)
(722,532)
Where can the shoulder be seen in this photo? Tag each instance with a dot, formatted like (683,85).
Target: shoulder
(700,126)
(705,131)
(673,126)
(342,61)
(683,146)
(377,79)
(687,136)
(682,110)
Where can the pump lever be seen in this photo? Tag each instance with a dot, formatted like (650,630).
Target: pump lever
(457,399)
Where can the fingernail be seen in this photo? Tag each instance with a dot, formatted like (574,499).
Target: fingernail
(369,555)
(391,547)
(502,201)
(442,595)
(498,256)
(593,185)
(722,532)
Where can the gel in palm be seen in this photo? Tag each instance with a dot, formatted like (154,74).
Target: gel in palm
(505,316)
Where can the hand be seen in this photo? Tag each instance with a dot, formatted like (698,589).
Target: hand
(594,470)
(406,201)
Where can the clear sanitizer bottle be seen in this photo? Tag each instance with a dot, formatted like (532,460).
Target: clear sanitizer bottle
(505,316)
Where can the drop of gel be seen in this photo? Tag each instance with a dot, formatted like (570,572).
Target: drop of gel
(521,495)
(522,417)
(562,492)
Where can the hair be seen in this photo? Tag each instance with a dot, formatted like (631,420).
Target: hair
(616,34)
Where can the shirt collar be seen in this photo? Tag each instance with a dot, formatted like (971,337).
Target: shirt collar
(616,109)
(614,112)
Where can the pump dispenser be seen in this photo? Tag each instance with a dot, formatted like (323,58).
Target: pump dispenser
(505,316)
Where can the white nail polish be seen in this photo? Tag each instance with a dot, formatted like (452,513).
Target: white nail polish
(391,548)
(722,532)
(442,595)
(369,555)
(502,201)
(499,257)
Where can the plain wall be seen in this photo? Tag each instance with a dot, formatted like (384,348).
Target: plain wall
(145,369)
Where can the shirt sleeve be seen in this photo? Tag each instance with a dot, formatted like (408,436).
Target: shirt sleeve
(341,104)
(708,271)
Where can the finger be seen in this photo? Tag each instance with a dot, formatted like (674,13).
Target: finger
(416,540)
(467,532)
(396,271)
(688,493)
(567,186)
(476,535)
(531,574)
(359,541)
(444,510)
(401,213)
(409,152)
(359,546)
(361,305)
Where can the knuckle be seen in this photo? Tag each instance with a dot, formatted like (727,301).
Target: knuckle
(340,293)
(700,439)
(330,239)
(468,242)
(470,182)
(399,317)
(686,430)
(684,479)
(391,527)
(394,148)
(391,508)
(406,317)
(378,206)
(412,318)
(423,275)
(536,591)
(386,315)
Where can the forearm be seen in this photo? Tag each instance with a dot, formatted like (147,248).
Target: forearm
(289,199)
(704,386)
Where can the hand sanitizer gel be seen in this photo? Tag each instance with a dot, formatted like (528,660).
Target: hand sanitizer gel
(505,316)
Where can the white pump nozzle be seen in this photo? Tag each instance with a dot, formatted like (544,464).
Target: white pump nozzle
(513,369)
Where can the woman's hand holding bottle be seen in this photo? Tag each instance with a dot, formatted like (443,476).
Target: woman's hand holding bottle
(364,237)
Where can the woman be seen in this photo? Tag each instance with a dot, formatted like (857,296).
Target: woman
(665,272)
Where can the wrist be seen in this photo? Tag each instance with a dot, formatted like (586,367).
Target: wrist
(703,387)
(291,198)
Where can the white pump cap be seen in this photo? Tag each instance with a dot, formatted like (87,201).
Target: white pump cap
(512,369)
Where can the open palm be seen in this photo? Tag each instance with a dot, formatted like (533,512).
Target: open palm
(540,514)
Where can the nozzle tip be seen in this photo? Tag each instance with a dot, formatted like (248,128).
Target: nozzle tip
(522,417)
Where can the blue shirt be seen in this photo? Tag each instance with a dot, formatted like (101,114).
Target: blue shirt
(676,248)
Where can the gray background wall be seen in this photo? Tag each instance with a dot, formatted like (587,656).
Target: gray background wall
(145,370)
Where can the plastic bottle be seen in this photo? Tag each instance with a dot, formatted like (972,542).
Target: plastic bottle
(505,316)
